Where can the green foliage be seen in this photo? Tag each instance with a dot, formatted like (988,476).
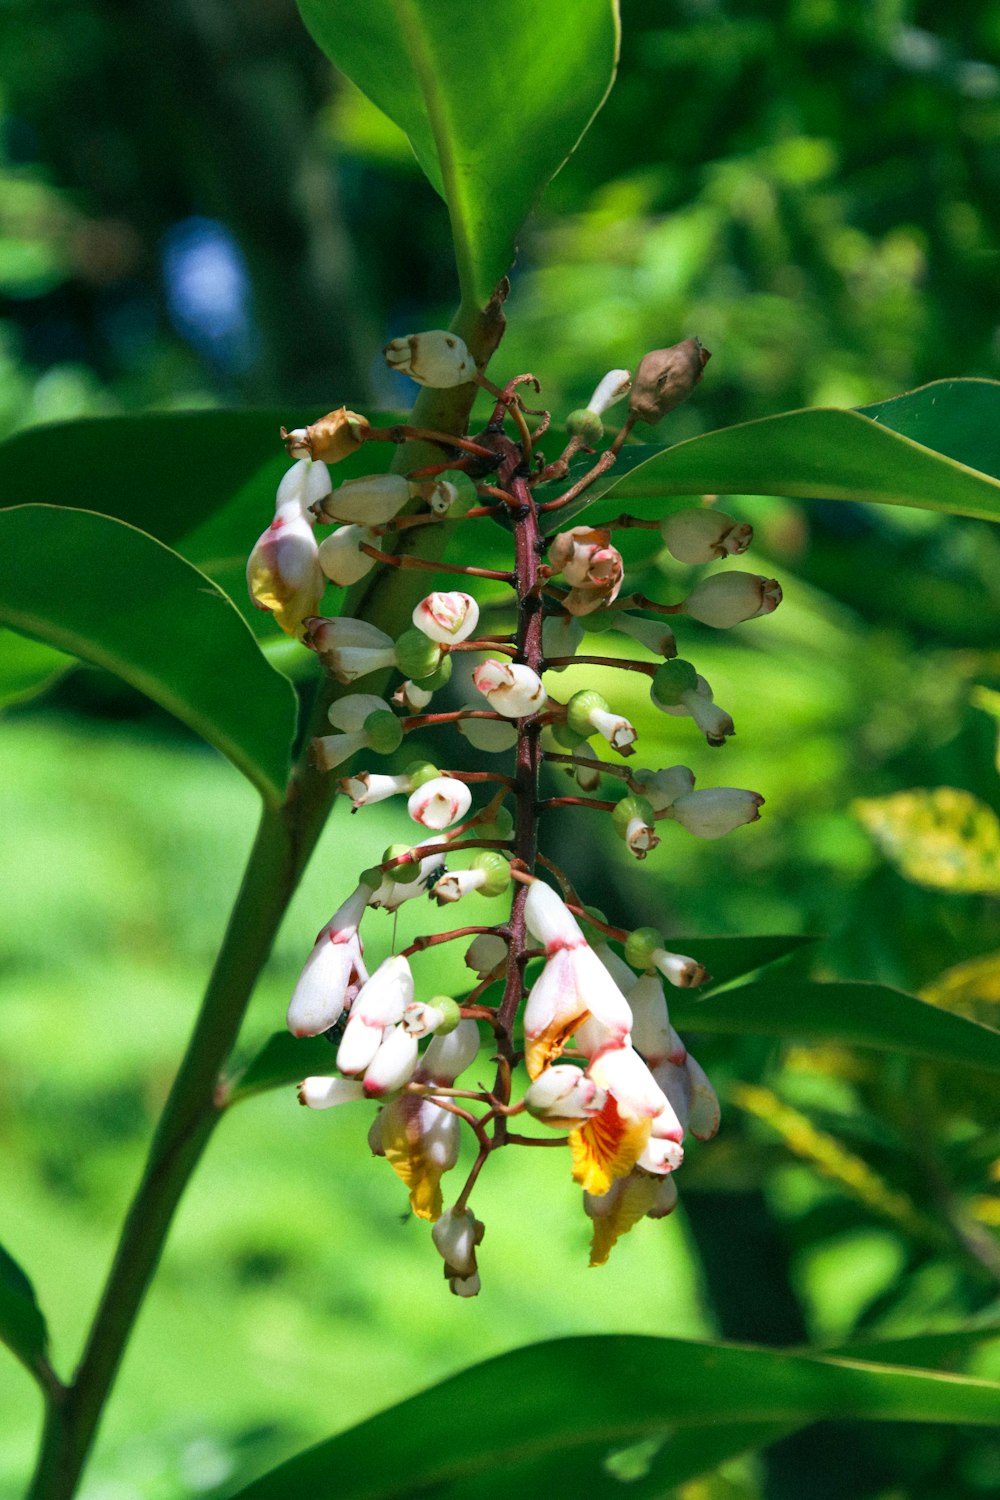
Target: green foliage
(532,1419)
(441,70)
(22,1326)
(114,596)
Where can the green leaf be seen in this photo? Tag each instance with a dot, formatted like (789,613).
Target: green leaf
(862,1015)
(22,1326)
(728,958)
(492,101)
(283,1060)
(27,667)
(116,597)
(540,1420)
(902,452)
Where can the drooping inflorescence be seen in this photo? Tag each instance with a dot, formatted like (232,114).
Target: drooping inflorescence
(606,1073)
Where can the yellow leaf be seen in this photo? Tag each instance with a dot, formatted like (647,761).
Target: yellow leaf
(940,837)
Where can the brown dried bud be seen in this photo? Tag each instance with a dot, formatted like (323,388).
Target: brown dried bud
(335,436)
(665,378)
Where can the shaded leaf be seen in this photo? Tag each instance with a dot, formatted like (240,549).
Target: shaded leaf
(27,667)
(989,701)
(857,1014)
(533,1423)
(971,988)
(282,1061)
(728,958)
(492,101)
(939,837)
(22,1326)
(829,454)
(116,597)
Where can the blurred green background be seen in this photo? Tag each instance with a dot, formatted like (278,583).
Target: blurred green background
(195,212)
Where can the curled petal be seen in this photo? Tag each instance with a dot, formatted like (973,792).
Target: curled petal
(447,617)
(439,802)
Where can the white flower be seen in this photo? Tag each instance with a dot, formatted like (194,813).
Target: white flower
(621,1072)
(392,893)
(333,972)
(370,501)
(683,972)
(349,715)
(486,953)
(564,1094)
(439,802)
(611,388)
(340,556)
(652,1033)
(727,599)
(369,787)
(447,617)
(283,571)
(350,648)
(699,534)
(379,1004)
(456,1235)
(715,724)
(438,358)
(393,1064)
(691,1096)
(510,689)
(716,811)
(655,635)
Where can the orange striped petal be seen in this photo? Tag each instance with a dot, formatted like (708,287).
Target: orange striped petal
(606,1148)
(633,1197)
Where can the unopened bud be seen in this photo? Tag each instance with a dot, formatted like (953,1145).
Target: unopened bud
(489,735)
(340,554)
(437,358)
(510,688)
(486,953)
(408,871)
(585,425)
(716,811)
(699,534)
(633,822)
(370,501)
(447,618)
(666,378)
(727,599)
(384,731)
(416,655)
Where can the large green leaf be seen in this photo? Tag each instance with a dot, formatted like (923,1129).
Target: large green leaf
(27,667)
(22,1326)
(284,1059)
(935,448)
(580,1415)
(492,100)
(116,597)
(862,1015)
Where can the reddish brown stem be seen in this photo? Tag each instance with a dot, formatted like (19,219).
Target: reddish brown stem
(625,664)
(407,560)
(402,432)
(432,939)
(592,802)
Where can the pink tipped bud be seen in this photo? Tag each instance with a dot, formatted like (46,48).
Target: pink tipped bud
(393,1064)
(564,1094)
(510,689)
(447,617)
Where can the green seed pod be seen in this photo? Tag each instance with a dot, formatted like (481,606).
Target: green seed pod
(416,655)
(640,947)
(579,708)
(402,874)
(452,1013)
(672,681)
(628,809)
(384,731)
(497,872)
(420,771)
(438,678)
(586,424)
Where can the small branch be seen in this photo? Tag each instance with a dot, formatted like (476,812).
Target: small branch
(591,802)
(402,432)
(639,601)
(535,1140)
(408,560)
(426,721)
(431,940)
(624,664)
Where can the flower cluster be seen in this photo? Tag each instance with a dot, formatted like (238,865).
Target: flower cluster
(604,1070)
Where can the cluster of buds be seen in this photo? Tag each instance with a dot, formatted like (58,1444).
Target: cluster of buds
(603,1068)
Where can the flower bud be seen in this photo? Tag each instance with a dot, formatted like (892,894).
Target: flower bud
(406,872)
(611,388)
(439,802)
(340,556)
(488,872)
(662,788)
(384,731)
(438,358)
(716,811)
(665,378)
(666,1199)
(671,697)
(324,1093)
(450,1054)
(510,688)
(416,656)
(349,648)
(369,501)
(587,777)
(284,575)
(489,735)
(411,698)
(685,973)
(727,599)
(368,787)
(485,954)
(456,1236)
(655,634)
(447,617)
(640,946)
(700,534)
(585,425)
(393,1065)
(335,436)
(633,822)
(652,1034)
(672,681)
(441,1015)
(354,714)
(587,711)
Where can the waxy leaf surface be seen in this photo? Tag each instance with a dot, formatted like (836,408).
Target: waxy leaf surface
(116,597)
(493,100)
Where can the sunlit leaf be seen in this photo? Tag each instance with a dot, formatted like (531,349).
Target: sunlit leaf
(912,450)
(941,837)
(113,596)
(22,1326)
(989,701)
(971,988)
(492,101)
(532,1422)
(27,667)
(860,1015)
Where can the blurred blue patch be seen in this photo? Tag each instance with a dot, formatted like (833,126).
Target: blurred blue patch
(208,292)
